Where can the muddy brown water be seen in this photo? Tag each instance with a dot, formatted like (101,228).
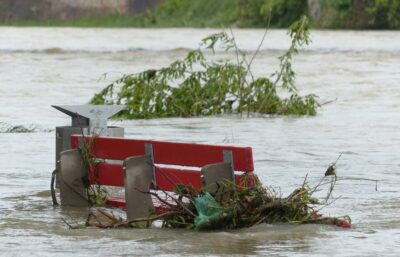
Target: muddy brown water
(44,66)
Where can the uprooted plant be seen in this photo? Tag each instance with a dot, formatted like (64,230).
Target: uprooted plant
(199,86)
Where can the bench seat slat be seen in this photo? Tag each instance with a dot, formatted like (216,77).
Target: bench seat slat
(170,153)
(107,174)
(112,175)
(167,177)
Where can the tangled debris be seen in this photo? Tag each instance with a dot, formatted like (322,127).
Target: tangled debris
(230,207)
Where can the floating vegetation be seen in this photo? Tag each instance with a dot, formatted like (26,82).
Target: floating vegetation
(231,207)
(7,128)
(197,86)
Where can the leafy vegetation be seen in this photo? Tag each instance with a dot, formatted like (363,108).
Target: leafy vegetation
(187,13)
(359,14)
(284,12)
(172,13)
(197,86)
(344,14)
(384,14)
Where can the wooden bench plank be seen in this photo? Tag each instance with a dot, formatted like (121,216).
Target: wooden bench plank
(166,178)
(170,153)
(108,174)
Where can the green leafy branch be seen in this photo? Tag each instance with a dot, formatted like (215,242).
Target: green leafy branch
(198,86)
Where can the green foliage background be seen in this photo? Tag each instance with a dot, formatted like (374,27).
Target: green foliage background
(356,14)
(336,14)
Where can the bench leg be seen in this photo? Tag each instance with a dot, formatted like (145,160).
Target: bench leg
(138,179)
(72,190)
(216,173)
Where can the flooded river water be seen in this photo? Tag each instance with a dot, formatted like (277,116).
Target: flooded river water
(44,66)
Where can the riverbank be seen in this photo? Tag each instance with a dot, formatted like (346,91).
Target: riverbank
(110,21)
(324,14)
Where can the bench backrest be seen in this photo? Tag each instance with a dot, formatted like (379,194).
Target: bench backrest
(185,155)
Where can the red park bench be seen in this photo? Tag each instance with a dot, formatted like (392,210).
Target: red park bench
(137,164)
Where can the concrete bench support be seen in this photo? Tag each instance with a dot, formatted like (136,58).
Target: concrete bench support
(138,179)
(72,190)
